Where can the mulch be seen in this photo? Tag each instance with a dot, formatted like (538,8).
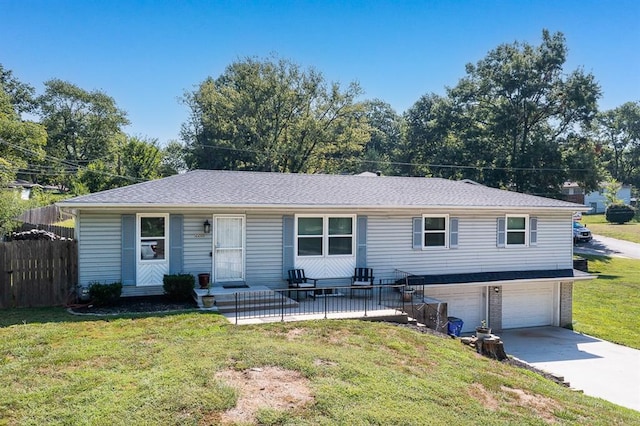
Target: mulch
(136,305)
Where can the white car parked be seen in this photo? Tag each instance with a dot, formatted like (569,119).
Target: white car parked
(581,233)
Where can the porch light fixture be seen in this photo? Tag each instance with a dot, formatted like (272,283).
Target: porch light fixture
(207,227)
(496,289)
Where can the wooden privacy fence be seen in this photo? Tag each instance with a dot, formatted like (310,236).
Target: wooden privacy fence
(58,230)
(44,215)
(37,273)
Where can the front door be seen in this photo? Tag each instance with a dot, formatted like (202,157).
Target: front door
(152,248)
(228,255)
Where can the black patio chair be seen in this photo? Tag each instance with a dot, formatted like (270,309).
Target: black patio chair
(362,280)
(298,280)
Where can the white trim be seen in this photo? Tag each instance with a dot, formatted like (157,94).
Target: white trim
(445,231)
(214,227)
(325,235)
(525,230)
(159,266)
(281,207)
(139,216)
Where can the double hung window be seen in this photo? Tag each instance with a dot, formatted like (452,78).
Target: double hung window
(325,235)
(517,230)
(435,231)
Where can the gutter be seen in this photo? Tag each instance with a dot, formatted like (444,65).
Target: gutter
(280,207)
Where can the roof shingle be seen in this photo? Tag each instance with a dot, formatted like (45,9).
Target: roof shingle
(208,188)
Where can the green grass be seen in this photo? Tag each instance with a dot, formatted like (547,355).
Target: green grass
(60,369)
(69,223)
(598,225)
(609,307)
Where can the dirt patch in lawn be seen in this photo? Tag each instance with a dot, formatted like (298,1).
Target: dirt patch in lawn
(263,388)
(544,407)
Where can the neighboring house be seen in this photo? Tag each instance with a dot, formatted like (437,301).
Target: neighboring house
(25,188)
(490,254)
(573,192)
(597,200)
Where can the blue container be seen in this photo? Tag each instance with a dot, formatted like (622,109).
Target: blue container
(454,326)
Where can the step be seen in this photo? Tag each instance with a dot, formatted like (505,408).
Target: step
(260,301)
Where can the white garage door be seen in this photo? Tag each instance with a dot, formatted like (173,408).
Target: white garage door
(527,305)
(465,303)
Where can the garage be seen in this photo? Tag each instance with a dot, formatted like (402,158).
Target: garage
(466,303)
(528,305)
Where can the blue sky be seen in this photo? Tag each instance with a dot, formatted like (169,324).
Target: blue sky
(146,54)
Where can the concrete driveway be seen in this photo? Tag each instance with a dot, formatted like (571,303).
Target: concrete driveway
(599,368)
(605,246)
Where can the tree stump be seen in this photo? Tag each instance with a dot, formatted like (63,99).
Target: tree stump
(491,347)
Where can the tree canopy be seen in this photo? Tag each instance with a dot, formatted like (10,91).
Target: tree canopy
(509,121)
(619,132)
(272,115)
(83,127)
(20,141)
(517,119)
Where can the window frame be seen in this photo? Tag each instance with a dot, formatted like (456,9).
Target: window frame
(446,230)
(526,230)
(139,237)
(325,235)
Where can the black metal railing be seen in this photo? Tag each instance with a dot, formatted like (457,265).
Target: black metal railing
(321,302)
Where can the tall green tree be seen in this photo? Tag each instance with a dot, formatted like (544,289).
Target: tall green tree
(272,115)
(427,143)
(173,159)
(21,142)
(21,95)
(132,160)
(511,114)
(83,127)
(619,133)
(385,135)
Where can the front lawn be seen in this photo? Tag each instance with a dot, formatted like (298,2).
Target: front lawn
(190,368)
(609,307)
(598,225)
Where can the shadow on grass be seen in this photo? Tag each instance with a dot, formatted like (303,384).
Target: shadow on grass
(607,277)
(604,259)
(20,316)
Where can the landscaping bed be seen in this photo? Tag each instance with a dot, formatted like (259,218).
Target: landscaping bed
(136,305)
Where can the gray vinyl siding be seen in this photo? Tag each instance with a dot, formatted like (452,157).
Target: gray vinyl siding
(264,250)
(390,247)
(197,245)
(99,248)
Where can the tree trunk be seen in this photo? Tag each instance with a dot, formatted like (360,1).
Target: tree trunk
(491,347)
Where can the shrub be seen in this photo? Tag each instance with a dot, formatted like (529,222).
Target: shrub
(105,294)
(619,213)
(178,286)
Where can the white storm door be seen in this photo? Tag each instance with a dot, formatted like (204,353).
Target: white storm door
(152,248)
(228,256)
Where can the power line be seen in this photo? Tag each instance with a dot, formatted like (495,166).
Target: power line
(399,163)
(73,167)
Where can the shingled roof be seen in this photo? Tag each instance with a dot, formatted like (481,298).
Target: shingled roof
(217,188)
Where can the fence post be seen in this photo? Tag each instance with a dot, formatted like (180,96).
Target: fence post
(365,301)
(236,297)
(5,277)
(325,306)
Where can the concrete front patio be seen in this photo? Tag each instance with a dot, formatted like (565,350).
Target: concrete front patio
(260,304)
